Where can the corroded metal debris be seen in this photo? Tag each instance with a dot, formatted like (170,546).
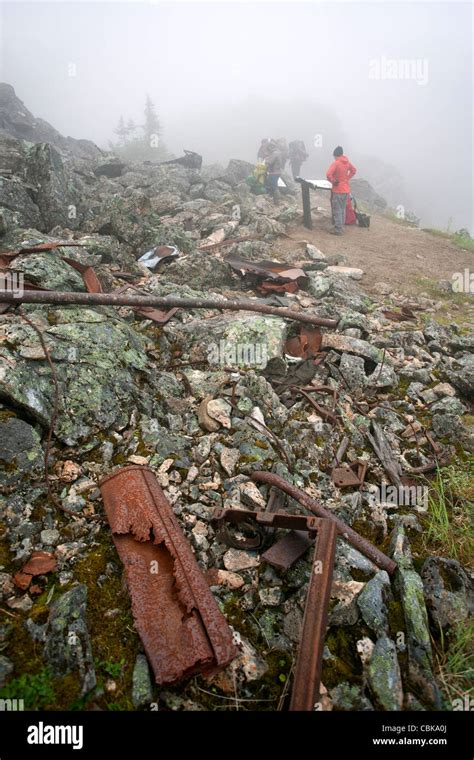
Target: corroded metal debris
(284,552)
(268,275)
(349,475)
(114,299)
(244,518)
(305,344)
(177,618)
(39,563)
(307,680)
(303,532)
(354,538)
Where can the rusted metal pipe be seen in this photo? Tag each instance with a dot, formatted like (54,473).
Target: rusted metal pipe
(112,299)
(354,538)
(307,680)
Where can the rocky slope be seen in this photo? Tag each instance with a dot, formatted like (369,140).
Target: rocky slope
(128,390)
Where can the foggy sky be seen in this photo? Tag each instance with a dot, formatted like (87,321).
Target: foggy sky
(223,75)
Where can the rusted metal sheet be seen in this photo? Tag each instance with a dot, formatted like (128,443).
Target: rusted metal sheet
(268,275)
(354,538)
(39,563)
(284,552)
(348,475)
(156,315)
(176,616)
(91,281)
(307,343)
(405,314)
(307,680)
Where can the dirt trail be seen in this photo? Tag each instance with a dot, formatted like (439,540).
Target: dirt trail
(388,251)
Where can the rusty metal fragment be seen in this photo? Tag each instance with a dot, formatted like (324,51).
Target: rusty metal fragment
(268,275)
(284,552)
(39,563)
(305,344)
(254,528)
(307,680)
(310,653)
(266,519)
(177,618)
(349,475)
(354,538)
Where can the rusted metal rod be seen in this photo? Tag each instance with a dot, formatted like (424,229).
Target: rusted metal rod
(354,538)
(112,299)
(309,662)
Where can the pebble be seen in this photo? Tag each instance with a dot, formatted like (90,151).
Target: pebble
(50,537)
(271,597)
(20,603)
(237,559)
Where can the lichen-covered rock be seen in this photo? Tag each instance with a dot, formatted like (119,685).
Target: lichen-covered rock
(348,697)
(230,340)
(410,590)
(449,591)
(384,675)
(15,197)
(318,285)
(372,603)
(99,361)
(68,647)
(20,451)
(352,368)
(355,346)
(56,190)
(462,375)
(142,693)
(202,270)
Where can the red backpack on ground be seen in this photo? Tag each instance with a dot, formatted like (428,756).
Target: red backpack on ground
(350,213)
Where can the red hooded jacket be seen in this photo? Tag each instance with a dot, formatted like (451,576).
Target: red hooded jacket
(339,174)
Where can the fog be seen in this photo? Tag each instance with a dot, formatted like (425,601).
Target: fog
(391,82)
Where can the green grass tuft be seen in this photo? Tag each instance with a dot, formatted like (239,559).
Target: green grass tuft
(450,517)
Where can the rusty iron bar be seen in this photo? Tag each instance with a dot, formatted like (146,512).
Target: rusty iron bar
(112,299)
(309,662)
(354,538)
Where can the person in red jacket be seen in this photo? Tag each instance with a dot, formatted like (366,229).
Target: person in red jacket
(339,174)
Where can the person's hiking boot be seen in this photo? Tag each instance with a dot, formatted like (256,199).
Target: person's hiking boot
(336,232)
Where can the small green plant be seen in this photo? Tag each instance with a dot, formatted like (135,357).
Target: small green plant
(112,669)
(451,511)
(36,690)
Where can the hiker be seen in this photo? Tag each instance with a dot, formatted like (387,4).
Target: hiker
(274,163)
(283,148)
(298,154)
(264,149)
(339,174)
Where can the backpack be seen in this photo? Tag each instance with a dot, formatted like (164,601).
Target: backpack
(363,220)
